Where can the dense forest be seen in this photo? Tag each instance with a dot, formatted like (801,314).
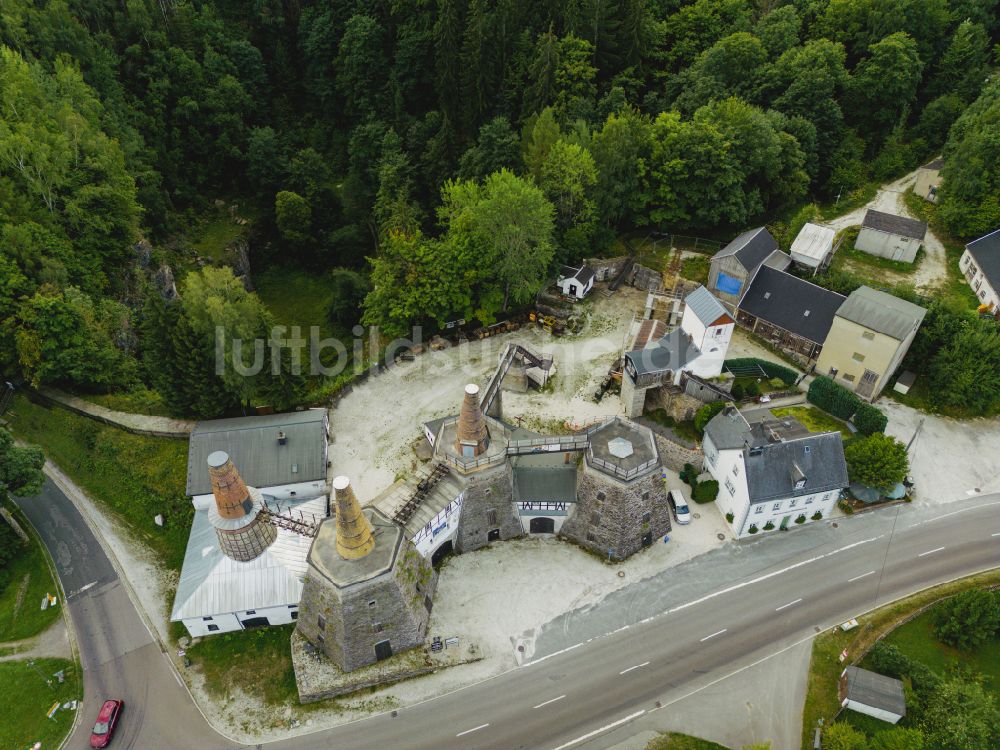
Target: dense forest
(433,159)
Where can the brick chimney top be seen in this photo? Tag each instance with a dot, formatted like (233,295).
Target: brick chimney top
(232,498)
(472,434)
(355,537)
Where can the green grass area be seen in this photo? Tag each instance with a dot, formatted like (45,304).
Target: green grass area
(223,661)
(696,268)
(848,258)
(764,385)
(297,298)
(916,640)
(24,709)
(677,741)
(825,666)
(214,233)
(131,476)
(28,579)
(814,419)
(139,401)
(954,286)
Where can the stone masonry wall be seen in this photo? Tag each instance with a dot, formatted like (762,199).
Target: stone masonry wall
(618,516)
(632,398)
(394,607)
(486,491)
(674,456)
(680,406)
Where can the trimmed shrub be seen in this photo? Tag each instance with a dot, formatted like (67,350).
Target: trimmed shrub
(705,492)
(787,375)
(869,419)
(752,390)
(769,525)
(737,391)
(729,517)
(832,398)
(817,515)
(753,529)
(801,518)
(689,475)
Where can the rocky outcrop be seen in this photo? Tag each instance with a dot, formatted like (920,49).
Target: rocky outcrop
(238,256)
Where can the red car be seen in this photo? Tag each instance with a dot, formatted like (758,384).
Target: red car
(107,719)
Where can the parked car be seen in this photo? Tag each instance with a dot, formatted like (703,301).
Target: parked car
(679,507)
(107,720)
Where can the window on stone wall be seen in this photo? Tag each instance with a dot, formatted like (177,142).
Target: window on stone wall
(491,517)
(321,639)
(376,627)
(371,604)
(591,537)
(601,496)
(647,517)
(321,623)
(645,495)
(595,519)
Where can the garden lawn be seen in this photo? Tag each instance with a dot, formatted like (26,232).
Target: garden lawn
(28,579)
(696,268)
(23,709)
(825,666)
(916,640)
(131,476)
(955,286)
(814,419)
(139,401)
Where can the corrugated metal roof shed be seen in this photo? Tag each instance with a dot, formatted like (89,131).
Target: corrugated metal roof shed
(252,443)
(213,584)
(893,224)
(882,312)
(876,690)
(812,245)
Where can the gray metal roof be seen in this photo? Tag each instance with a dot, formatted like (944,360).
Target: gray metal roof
(772,468)
(705,306)
(882,312)
(893,224)
(750,248)
(252,443)
(728,429)
(671,352)
(551,484)
(213,584)
(986,252)
(876,690)
(791,303)
(812,244)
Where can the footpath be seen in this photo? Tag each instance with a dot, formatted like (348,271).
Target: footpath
(140,424)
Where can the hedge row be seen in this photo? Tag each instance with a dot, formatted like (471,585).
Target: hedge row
(834,399)
(787,375)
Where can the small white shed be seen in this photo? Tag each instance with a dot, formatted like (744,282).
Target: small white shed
(872,694)
(890,236)
(576,282)
(813,247)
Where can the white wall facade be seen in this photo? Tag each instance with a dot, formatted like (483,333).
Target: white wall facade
(556,511)
(985,293)
(878,713)
(712,341)
(728,468)
(227,622)
(442,528)
(572,287)
(885,245)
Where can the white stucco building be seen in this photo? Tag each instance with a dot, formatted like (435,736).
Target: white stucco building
(772,472)
(890,236)
(576,282)
(980,263)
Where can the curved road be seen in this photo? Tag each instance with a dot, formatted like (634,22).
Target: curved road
(575,697)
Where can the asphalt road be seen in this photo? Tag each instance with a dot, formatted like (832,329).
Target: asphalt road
(589,695)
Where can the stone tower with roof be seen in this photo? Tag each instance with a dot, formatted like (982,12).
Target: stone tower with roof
(368,592)
(238,514)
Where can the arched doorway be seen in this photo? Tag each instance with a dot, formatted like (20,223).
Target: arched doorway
(441,552)
(542,525)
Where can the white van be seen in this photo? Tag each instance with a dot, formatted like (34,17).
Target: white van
(679,506)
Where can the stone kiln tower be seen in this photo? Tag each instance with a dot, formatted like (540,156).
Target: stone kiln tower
(368,592)
(238,516)
(473,438)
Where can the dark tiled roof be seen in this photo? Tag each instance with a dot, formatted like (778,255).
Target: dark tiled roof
(583,274)
(986,252)
(772,468)
(893,224)
(791,303)
(671,352)
(751,248)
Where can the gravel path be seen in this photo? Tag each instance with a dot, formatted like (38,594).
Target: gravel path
(53,642)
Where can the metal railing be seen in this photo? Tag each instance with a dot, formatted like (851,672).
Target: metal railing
(619,472)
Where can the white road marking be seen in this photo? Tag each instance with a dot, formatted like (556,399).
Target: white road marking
(997,534)
(713,635)
(637,666)
(474,729)
(551,701)
(605,728)
(858,578)
(785,606)
(930,551)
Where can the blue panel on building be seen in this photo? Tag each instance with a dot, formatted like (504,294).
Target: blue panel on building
(727,284)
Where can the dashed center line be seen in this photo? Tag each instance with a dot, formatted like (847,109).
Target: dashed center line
(637,666)
(785,606)
(474,729)
(997,534)
(550,701)
(930,551)
(858,578)
(714,634)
